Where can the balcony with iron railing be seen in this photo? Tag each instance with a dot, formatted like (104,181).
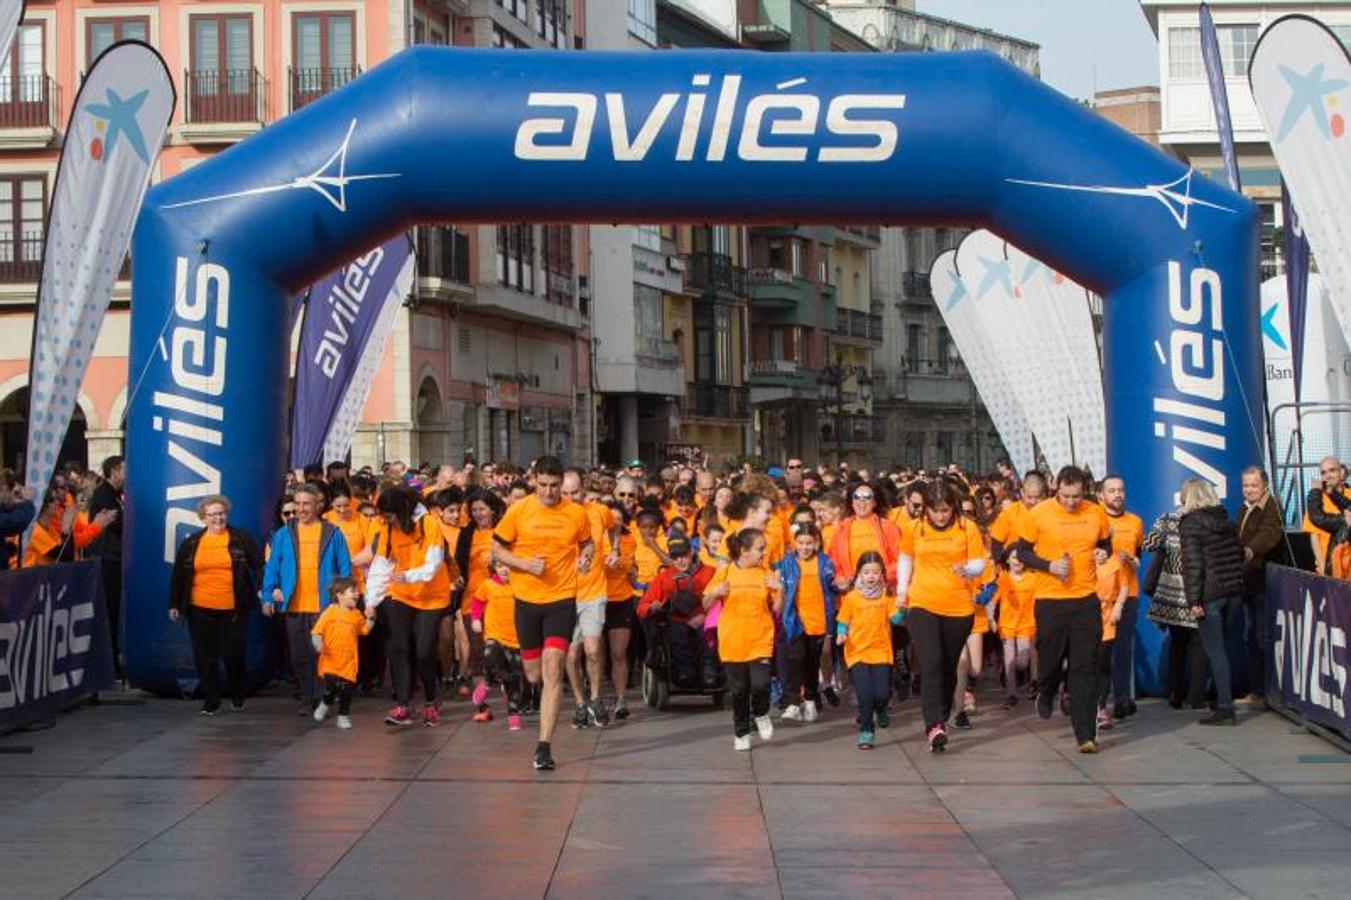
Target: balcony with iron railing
(715,273)
(443,253)
(223,106)
(853,326)
(28,111)
(308,85)
(916,286)
(716,401)
(21,258)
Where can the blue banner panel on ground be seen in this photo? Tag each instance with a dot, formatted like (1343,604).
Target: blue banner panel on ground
(1307,620)
(54,642)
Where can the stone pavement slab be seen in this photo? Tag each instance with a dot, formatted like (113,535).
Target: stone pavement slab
(151,800)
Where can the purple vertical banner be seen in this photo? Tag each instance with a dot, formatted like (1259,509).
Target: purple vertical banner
(1296,250)
(1219,94)
(339,319)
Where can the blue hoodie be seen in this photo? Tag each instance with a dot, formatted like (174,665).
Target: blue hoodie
(280,571)
(791,573)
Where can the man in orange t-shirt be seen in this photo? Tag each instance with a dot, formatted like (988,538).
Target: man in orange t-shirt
(1128,535)
(1060,538)
(545,540)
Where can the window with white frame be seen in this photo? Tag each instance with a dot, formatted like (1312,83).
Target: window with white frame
(648,237)
(1236,45)
(643,20)
(22,75)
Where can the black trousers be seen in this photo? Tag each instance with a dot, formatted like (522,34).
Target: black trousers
(339,689)
(1188,667)
(1071,629)
(872,689)
(111,571)
(748,683)
(304,661)
(503,666)
(413,634)
(938,642)
(218,635)
(804,668)
(1106,655)
(371,651)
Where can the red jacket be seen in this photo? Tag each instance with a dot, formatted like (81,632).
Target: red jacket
(888,537)
(663,588)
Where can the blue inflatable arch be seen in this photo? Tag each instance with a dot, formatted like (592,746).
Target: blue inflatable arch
(695,136)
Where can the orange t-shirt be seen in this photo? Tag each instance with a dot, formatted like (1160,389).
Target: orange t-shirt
(592,585)
(900,517)
(42,543)
(554,533)
(863,538)
(745,626)
(1111,576)
(811,601)
(1007,526)
(647,562)
(1128,533)
(828,535)
(409,551)
(934,585)
(499,612)
(213,580)
(869,621)
(1017,605)
(480,565)
(1053,532)
(305,599)
(340,629)
(617,583)
(356,531)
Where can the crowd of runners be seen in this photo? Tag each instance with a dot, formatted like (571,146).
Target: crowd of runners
(775,592)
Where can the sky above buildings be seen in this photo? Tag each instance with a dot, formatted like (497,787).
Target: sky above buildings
(1084,43)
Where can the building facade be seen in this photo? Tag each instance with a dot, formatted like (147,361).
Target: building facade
(491,354)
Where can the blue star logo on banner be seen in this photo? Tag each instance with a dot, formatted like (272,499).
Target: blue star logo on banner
(1269,326)
(116,118)
(1306,95)
(958,295)
(996,272)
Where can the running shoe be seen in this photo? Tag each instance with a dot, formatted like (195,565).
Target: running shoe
(832,696)
(765,726)
(621,711)
(344,722)
(513,722)
(237,705)
(544,760)
(1089,746)
(1032,690)
(741,743)
(1010,701)
(485,714)
(462,691)
(1219,717)
(399,716)
(579,717)
(1065,703)
(969,703)
(1131,708)
(865,740)
(792,713)
(321,711)
(1104,719)
(884,718)
(480,693)
(809,713)
(599,715)
(209,709)
(937,738)
(963,721)
(431,715)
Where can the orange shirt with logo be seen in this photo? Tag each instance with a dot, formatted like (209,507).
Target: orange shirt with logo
(746,625)
(213,582)
(553,533)
(1128,534)
(934,585)
(305,598)
(480,564)
(340,629)
(869,635)
(617,584)
(811,600)
(1017,605)
(1054,532)
(499,612)
(592,585)
(409,551)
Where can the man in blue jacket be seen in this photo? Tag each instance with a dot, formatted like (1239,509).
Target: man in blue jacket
(305,555)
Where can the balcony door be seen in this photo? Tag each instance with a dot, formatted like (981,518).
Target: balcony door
(221,85)
(23,204)
(24,95)
(324,54)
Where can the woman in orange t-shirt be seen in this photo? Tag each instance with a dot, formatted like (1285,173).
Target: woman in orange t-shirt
(941,556)
(419,594)
(751,598)
(473,555)
(861,532)
(214,586)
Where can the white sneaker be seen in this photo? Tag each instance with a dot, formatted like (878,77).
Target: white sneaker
(344,722)
(321,711)
(791,713)
(969,703)
(809,711)
(765,727)
(742,743)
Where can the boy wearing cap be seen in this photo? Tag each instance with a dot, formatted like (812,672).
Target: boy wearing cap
(677,590)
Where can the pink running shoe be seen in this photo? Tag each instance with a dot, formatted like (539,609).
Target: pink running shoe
(399,716)
(937,738)
(483,715)
(480,693)
(513,722)
(431,716)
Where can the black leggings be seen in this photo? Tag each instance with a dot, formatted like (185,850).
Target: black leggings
(218,635)
(938,642)
(804,668)
(503,666)
(413,635)
(748,683)
(339,689)
(1105,652)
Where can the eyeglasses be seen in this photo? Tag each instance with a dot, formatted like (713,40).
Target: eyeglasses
(863,495)
(793,465)
(625,494)
(288,513)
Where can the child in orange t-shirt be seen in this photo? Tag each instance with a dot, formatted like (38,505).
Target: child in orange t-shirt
(1112,590)
(863,629)
(493,614)
(335,640)
(1018,629)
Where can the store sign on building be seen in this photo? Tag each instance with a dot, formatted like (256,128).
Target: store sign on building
(503,394)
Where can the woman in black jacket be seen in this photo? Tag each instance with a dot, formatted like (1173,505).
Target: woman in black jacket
(214,587)
(1212,574)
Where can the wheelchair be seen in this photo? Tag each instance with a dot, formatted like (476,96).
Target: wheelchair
(659,681)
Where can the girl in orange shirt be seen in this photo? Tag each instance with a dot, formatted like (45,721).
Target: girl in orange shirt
(493,616)
(751,598)
(1018,629)
(335,640)
(863,629)
(1113,589)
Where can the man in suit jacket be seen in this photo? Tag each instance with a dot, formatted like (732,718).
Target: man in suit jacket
(1262,530)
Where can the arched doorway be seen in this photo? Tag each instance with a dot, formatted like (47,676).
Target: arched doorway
(14,433)
(430,429)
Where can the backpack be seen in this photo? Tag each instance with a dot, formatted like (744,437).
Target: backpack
(685,601)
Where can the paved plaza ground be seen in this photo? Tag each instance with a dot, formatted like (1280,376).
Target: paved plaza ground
(152,800)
